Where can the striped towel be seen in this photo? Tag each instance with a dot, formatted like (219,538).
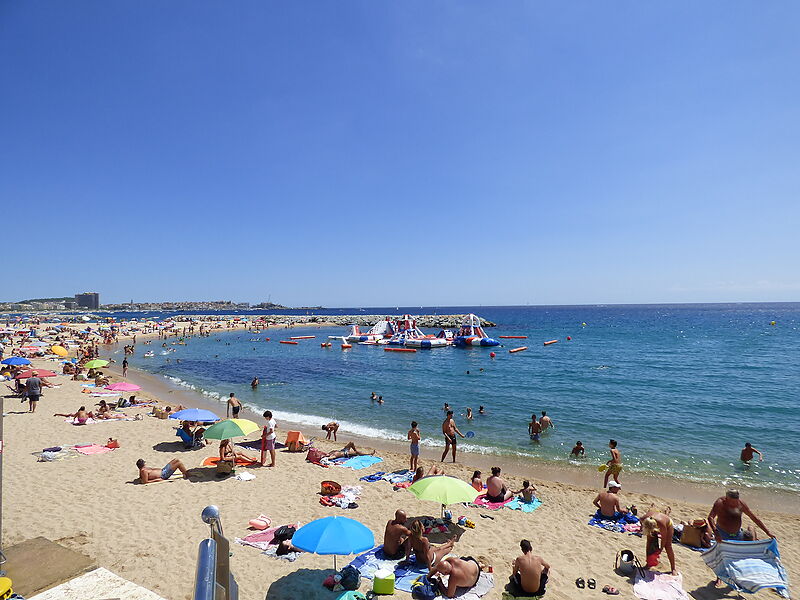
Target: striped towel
(749,566)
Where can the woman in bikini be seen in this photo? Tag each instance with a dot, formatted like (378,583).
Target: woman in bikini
(657,525)
(229,454)
(426,553)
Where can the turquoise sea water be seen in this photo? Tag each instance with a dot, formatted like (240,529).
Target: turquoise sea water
(681,387)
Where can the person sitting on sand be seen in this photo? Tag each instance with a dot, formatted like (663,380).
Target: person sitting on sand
(228,453)
(80,417)
(528,492)
(104,412)
(607,503)
(149,474)
(657,525)
(100,381)
(496,488)
(395,537)
(331,429)
(462,572)
(68,369)
(476,481)
(528,573)
(578,451)
(747,453)
(425,553)
(348,451)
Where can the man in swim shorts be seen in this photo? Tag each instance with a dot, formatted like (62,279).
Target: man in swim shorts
(614,465)
(413,437)
(395,537)
(330,429)
(450,430)
(529,573)
(150,474)
(348,451)
(725,519)
(534,429)
(463,572)
(234,406)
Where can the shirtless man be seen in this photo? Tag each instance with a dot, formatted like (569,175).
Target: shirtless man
(463,572)
(254,383)
(330,429)
(607,503)
(348,451)
(450,430)
(615,464)
(149,474)
(395,537)
(546,421)
(528,573)
(534,429)
(496,488)
(725,519)
(578,450)
(234,406)
(747,453)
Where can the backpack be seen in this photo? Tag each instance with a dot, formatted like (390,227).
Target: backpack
(424,589)
(284,532)
(351,578)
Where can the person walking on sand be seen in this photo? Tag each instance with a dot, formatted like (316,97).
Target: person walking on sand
(269,438)
(450,430)
(748,452)
(33,390)
(614,465)
(234,406)
(414,437)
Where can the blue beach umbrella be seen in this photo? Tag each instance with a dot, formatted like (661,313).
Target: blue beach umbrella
(194,414)
(334,535)
(16,360)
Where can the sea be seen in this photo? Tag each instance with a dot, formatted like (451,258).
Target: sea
(680,387)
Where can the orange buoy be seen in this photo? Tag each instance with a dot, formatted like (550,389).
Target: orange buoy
(288,342)
(266,339)
(399,349)
(547,343)
(520,349)
(346,346)
(513,337)
(302,337)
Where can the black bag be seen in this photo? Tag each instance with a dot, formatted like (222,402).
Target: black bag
(351,578)
(284,532)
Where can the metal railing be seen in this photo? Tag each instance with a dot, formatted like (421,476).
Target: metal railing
(213,579)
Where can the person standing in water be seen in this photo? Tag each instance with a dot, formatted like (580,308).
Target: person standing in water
(534,428)
(450,430)
(748,452)
(234,406)
(614,465)
(254,383)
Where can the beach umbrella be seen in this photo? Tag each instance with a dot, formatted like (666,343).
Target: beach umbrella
(230,428)
(195,414)
(96,364)
(443,489)
(16,360)
(59,350)
(29,373)
(39,344)
(334,535)
(123,387)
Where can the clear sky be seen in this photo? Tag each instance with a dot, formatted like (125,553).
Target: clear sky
(401,153)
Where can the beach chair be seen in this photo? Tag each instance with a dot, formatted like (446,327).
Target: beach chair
(749,566)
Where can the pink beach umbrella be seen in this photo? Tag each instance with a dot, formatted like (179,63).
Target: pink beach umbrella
(123,387)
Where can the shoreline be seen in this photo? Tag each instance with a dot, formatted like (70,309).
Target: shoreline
(771,500)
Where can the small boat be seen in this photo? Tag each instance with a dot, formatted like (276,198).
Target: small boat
(472,334)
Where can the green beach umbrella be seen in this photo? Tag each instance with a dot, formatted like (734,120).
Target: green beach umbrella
(443,489)
(96,364)
(230,428)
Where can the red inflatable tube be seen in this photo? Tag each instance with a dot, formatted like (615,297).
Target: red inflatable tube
(288,342)
(513,337)
(547,343)
(399,349)
(520,349)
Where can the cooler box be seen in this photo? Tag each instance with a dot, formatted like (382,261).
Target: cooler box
(383,583)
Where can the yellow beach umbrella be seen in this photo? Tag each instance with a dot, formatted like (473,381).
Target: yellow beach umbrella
(59,350)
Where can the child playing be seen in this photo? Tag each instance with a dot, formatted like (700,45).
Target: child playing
(527,491)
(578,450)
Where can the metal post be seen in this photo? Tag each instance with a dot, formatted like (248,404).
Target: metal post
(206,574)
(2,450)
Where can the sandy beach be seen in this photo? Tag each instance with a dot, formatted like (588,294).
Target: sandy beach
(149,533)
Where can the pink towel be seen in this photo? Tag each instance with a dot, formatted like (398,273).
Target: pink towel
(484,503)
(93,449)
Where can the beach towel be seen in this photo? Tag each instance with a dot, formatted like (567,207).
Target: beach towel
(260,539)
(509,596)
(92,449)
(405,572)
(346,499)
(212,461)
(401,476)
(526,507)
(659,586)
(483,587)
(616,523)
(372,478)
(245,476)
(749,566)
(360,462)
(482,502)
(273,552)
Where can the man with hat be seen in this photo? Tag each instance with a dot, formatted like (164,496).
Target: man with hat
(607,502)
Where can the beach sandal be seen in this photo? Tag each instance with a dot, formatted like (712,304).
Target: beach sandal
(611,591)
(580,583)
(591,584)
(487,517)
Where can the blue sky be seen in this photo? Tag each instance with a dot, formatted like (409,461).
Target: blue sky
(375,153)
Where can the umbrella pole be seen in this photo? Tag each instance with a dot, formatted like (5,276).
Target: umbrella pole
(334,563)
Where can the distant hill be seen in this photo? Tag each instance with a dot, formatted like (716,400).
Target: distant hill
(64,299)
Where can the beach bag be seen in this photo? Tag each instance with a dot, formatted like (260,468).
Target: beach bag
(112,443)
(314,455)
(626,563)
(284,532)
(350,578)
(330,488)
(424,589)
(692,534)
(224,467)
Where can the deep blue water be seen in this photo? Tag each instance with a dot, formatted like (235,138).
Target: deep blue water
(681,387)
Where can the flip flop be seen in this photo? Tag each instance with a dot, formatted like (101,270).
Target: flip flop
(580,583)
(611,591)
(591,584)
(487,517)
